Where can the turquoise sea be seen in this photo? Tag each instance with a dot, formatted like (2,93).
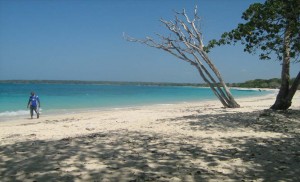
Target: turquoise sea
(64,98)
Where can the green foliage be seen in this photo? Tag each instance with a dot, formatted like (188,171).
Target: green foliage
(260,83)
(81,82)
(264,29)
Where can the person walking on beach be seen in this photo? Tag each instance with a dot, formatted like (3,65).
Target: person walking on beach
(34,104)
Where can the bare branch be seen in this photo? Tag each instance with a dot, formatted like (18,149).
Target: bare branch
(185,42)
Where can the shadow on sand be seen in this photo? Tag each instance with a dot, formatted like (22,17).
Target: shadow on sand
(133,156)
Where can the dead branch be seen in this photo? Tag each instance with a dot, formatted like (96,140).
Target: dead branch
(186,43)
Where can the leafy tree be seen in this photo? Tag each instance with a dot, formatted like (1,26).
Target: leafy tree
(271,28)
(186,43)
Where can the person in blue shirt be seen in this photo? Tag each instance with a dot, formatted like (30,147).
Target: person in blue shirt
(34,104)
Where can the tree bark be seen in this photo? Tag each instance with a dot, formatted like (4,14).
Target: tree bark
(294,87)
(285,95)
(231,103)
(286,102)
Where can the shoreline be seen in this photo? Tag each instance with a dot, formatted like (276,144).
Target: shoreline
(167,110)
(10,115)
(198,141)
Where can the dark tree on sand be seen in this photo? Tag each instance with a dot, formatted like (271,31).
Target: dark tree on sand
(186,43)
(271,28)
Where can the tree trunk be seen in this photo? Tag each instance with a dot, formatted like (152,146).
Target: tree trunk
(286,102)
(225,98)
(284,98)
(231,103)
(294,87)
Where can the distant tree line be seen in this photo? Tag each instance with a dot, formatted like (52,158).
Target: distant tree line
(257,83)
(82,82)
(261,83)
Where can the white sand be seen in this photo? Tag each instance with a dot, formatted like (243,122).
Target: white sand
(178,142)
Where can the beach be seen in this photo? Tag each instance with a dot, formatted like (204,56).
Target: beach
(192,141)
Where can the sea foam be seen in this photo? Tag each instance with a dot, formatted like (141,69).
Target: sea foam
(14,113)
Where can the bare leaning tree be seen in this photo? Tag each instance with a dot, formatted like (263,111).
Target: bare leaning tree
(186,43)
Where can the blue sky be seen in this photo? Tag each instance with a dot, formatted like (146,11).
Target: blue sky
(82,40)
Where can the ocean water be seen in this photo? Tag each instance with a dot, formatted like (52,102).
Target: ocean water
(65,98)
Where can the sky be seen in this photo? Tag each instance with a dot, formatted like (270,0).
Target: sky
(83,40)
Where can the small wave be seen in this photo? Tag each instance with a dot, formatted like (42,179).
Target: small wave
(13,113)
